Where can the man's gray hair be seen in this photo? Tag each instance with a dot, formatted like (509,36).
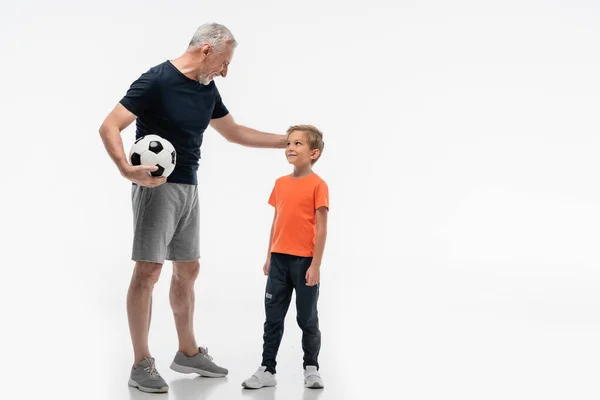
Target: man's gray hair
(216,35)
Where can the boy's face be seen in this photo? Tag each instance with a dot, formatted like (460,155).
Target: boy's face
(297,151)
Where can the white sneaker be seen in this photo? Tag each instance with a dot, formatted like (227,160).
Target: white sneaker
(261,378)
(312,378)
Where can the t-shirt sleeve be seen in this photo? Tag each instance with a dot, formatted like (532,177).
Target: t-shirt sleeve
(220,110)
(141,94)
(322,196)
(272,198)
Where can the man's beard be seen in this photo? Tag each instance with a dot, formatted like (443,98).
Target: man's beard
(204,79)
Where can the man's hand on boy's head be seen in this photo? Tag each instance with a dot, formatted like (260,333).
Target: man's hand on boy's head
(313,275)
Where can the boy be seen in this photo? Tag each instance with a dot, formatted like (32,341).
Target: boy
(296,245)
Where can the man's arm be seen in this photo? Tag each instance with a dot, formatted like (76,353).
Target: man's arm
(245,136)
(110,132)
(313,275)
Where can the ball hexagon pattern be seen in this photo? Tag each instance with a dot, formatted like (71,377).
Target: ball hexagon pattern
(154,150)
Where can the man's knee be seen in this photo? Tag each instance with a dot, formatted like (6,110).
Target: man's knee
(186,270)
(147,273)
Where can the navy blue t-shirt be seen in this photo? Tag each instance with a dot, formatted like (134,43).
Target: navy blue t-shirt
(169,104)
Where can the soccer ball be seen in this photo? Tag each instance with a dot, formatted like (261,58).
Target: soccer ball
(154,150)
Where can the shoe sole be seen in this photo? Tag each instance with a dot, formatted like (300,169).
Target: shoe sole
(190,370)
(134,384)
(315,385)
(260,387)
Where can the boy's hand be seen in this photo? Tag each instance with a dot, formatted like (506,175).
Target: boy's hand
(266,267)
(313,275)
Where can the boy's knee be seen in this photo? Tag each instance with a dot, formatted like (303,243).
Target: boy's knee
(309,324)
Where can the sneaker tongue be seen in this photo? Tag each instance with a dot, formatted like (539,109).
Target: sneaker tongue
(146,362)
(204,353)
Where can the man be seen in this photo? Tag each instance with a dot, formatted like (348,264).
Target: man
(176,100)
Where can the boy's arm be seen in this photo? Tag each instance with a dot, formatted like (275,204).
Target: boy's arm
(313,275)
(268,262)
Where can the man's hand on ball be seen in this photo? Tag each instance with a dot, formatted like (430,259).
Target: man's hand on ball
(140,174)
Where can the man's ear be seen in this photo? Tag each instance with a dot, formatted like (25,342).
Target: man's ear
(206,48)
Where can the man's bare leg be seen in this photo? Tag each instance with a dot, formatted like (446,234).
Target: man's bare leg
(182,300)
(139,306)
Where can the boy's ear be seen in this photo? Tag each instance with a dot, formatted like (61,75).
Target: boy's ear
(315,153)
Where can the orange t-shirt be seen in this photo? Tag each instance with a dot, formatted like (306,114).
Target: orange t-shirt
(296,201)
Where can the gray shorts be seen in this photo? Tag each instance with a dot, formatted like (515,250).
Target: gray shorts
(166,223)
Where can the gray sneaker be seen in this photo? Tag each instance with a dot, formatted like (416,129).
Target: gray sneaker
(146,378)
(200,364)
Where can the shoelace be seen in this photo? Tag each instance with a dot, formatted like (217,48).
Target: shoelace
(151,369)
(204,352)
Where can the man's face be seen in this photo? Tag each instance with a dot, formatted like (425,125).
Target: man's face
(217,63)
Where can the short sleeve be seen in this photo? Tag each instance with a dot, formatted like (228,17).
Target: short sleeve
(220,110)
(321,196)
(272,198)
(141,94)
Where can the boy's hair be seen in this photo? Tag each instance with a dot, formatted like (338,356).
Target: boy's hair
(314,137)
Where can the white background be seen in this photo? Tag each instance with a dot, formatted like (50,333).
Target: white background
(461,155)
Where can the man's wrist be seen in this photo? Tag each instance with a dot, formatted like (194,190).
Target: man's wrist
(124,168)
(283,141)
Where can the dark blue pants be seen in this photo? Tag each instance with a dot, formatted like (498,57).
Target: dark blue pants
(287,273)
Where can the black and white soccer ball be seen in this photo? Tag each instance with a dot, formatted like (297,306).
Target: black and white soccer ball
(154,150)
